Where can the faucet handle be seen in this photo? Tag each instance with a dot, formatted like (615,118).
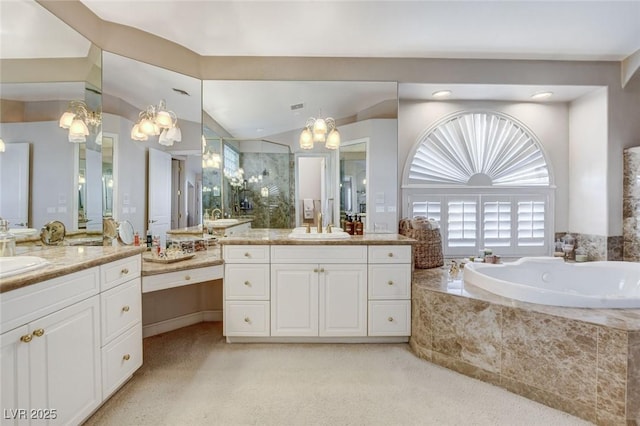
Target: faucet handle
(329,227)
(308,226)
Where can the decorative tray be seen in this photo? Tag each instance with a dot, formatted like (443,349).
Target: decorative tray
(172,259)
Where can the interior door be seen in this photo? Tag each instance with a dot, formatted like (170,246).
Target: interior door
(159,193)
(14,189)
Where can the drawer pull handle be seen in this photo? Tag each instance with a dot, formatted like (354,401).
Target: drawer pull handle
(247,254)
(315,270)
(390,255)
(390,319)
(187,277)
(124,271)
(126,357)
(26,338)
(125,308)
(247,320)
(321,269)
(39,332)
(247,283)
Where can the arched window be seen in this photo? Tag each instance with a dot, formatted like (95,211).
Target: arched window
(485,178)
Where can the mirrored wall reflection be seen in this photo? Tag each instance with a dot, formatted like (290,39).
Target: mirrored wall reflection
(353,180)
(46,67)
(156,117)
(256,183)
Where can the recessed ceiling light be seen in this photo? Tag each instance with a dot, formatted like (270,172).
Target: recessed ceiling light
(541,95)
(441,94)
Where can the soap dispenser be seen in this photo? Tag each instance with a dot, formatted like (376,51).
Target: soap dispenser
(7,240)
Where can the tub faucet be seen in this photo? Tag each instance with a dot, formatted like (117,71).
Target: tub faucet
(319,225)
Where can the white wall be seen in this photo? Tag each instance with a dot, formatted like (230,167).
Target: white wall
(549,122)
(588,165)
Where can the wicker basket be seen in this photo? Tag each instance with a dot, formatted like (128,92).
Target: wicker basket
(427,252)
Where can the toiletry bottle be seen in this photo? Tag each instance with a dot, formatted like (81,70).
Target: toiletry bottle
(149,238)
(136,239)
(359,226)
(348,226)
(7,240)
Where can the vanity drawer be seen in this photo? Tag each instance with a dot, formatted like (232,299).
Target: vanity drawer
(121,308)
(246,282)
(23,305)
(319,254)
(390,254)
(119,271)
(249,318)
(246,254)
(180,278)
(390,281)
(390,318)
(120,359)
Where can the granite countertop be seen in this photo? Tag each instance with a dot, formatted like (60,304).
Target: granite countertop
(65,260)
(241,221)
(281,237)
(210,257)
(436,279)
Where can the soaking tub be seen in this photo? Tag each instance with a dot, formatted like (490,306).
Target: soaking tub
(552,281)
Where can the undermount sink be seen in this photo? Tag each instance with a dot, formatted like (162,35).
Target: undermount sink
(220,222)
(313,235)
(18,264)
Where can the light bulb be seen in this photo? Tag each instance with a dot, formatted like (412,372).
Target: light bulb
(333,140)
(306,139)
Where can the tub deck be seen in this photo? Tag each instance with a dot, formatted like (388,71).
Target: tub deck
(582,361)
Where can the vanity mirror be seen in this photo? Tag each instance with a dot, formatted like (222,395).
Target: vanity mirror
(156,181)
(279,110)
(45,65)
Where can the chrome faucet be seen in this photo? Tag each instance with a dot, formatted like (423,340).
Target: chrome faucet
(319,226)
(216,213)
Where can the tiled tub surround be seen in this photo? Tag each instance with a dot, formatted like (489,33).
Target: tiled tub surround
(598,247)
(582,361)
(631,204)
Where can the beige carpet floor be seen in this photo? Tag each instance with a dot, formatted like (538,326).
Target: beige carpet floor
(192,377)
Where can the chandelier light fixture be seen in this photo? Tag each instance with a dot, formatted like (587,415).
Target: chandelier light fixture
(320,130)
(157,120)
(80,120)
(3,147)
(210,159)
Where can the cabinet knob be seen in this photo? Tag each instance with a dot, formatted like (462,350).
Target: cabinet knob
(187,277)
(315,270)
(247,320)
(247,254)
(247,283)
(390,319)
(124,271)
(125,308)
(390,255)
(321,269)
(390,282)
(38,332)
(126,357)
(26,338)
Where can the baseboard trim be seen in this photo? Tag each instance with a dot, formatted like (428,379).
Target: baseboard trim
(181,321)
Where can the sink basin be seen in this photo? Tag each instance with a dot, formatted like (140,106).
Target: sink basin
(18,264)
(219,222)
(334,235)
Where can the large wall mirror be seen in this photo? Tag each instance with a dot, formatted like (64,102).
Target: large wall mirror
(253,118)
(47,67)
(157,175)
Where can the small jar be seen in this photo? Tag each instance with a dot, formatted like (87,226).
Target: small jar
(7,240)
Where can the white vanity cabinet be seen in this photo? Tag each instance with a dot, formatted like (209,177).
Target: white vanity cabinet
(121,324)
(389,311)
(246,290)
(327,298)
(54,342)
(51,364)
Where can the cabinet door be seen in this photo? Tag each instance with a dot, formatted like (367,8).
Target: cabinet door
(343,300)
(14,376)
(65,362)
(294,300)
